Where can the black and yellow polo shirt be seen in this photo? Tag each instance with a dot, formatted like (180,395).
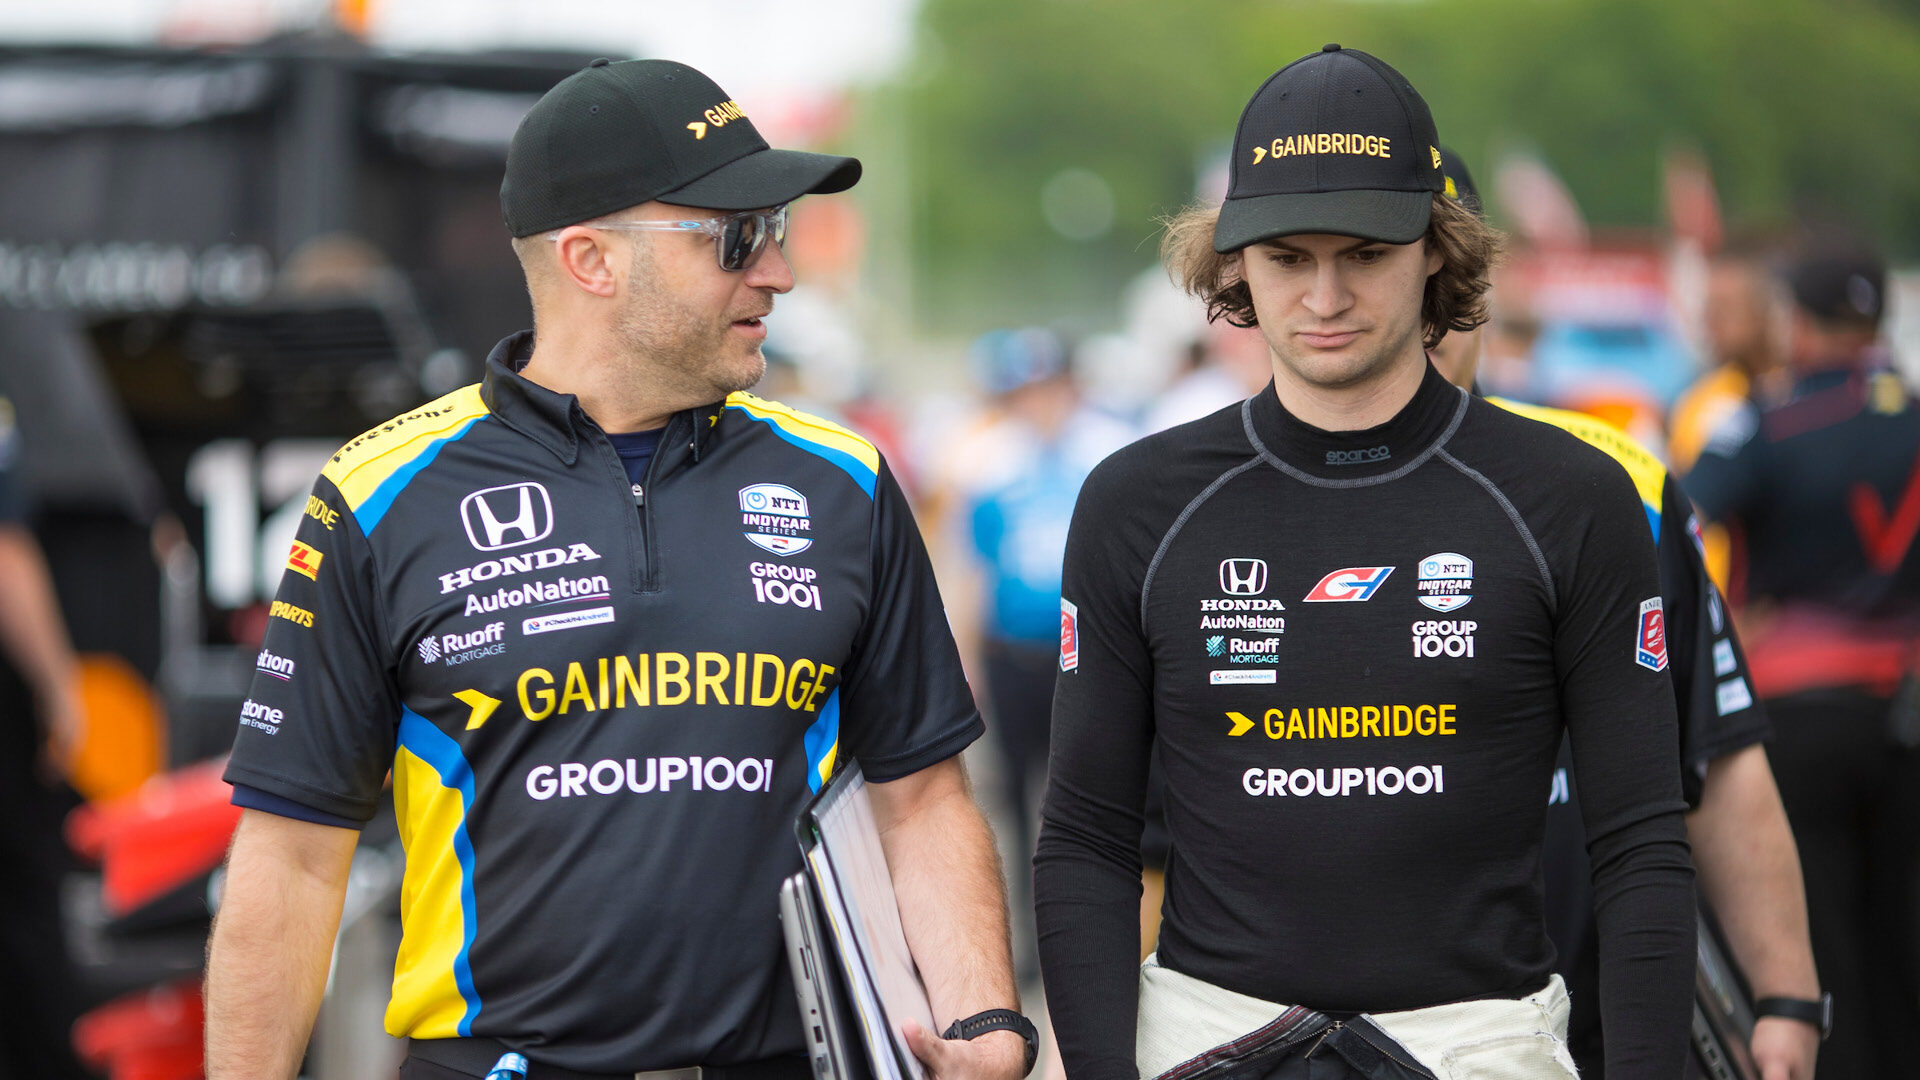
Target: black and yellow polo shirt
(602,703)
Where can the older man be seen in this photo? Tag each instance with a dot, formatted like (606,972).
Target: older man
(609,620)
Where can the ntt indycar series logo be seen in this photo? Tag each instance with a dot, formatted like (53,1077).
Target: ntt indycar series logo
(573,779)
(776,518)
(1446,581)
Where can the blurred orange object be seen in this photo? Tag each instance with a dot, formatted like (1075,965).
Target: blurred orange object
(150,1034)
(170,830)
(125,733)
(353,16)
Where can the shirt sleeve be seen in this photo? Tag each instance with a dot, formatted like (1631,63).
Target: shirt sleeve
(1727,477)
(1718,712)
(1611,654)
(1087,863)
(319,723)
(904,702)
(252,798)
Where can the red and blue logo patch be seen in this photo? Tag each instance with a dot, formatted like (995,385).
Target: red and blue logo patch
(1349,585)
(1650,645)
(1069,635)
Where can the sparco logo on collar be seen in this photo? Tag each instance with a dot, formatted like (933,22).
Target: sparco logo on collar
(526,561)
(776,518)
(507,516)
(1359,457)
(1243,577)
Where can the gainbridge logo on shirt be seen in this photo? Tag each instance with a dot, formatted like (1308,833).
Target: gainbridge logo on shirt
(643,680)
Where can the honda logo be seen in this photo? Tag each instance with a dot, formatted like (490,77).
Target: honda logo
(508,516)
(1243,577)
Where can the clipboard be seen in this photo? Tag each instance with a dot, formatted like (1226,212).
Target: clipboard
(840,844)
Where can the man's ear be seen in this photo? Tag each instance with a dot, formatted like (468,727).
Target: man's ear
(1434,260)
(585,261)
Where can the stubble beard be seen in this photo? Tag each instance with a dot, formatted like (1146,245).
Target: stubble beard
(679,350)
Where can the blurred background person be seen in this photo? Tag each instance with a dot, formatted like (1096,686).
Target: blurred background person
(1741,322)
(1020,472)
(42,722)
(1822,497)
(1225,365)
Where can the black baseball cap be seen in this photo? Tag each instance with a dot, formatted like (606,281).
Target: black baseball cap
(1335,142)
(1459,183)
(1839,284)
(613,135)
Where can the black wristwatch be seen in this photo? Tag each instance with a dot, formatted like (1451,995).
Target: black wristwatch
(980,1023)
(1819,1013)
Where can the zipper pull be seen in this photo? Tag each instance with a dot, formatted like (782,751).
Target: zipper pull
(639,496)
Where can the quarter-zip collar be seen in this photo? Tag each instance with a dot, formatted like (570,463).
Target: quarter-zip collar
(554,420)
(1372,454)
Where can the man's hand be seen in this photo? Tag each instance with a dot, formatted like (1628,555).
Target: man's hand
(63,719)
(996,1055)
(1784,1049)
(1750,873)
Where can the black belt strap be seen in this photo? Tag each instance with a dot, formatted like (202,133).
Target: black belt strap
(476,1056)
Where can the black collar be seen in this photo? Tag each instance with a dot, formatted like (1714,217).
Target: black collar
(556,420)
(1371,455)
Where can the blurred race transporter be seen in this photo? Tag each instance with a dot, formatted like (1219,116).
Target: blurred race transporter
(609,620)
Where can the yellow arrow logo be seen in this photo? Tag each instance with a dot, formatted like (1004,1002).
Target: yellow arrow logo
(699,130)
(1240,723)
(481,704)
(1258,153)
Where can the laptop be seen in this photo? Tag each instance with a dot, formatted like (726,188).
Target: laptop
(815,986)
(1722,1019)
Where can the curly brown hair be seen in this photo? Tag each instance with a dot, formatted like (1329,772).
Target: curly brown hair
(1456,294)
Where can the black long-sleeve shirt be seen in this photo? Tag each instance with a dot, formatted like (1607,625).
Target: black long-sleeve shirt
(1356,653)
